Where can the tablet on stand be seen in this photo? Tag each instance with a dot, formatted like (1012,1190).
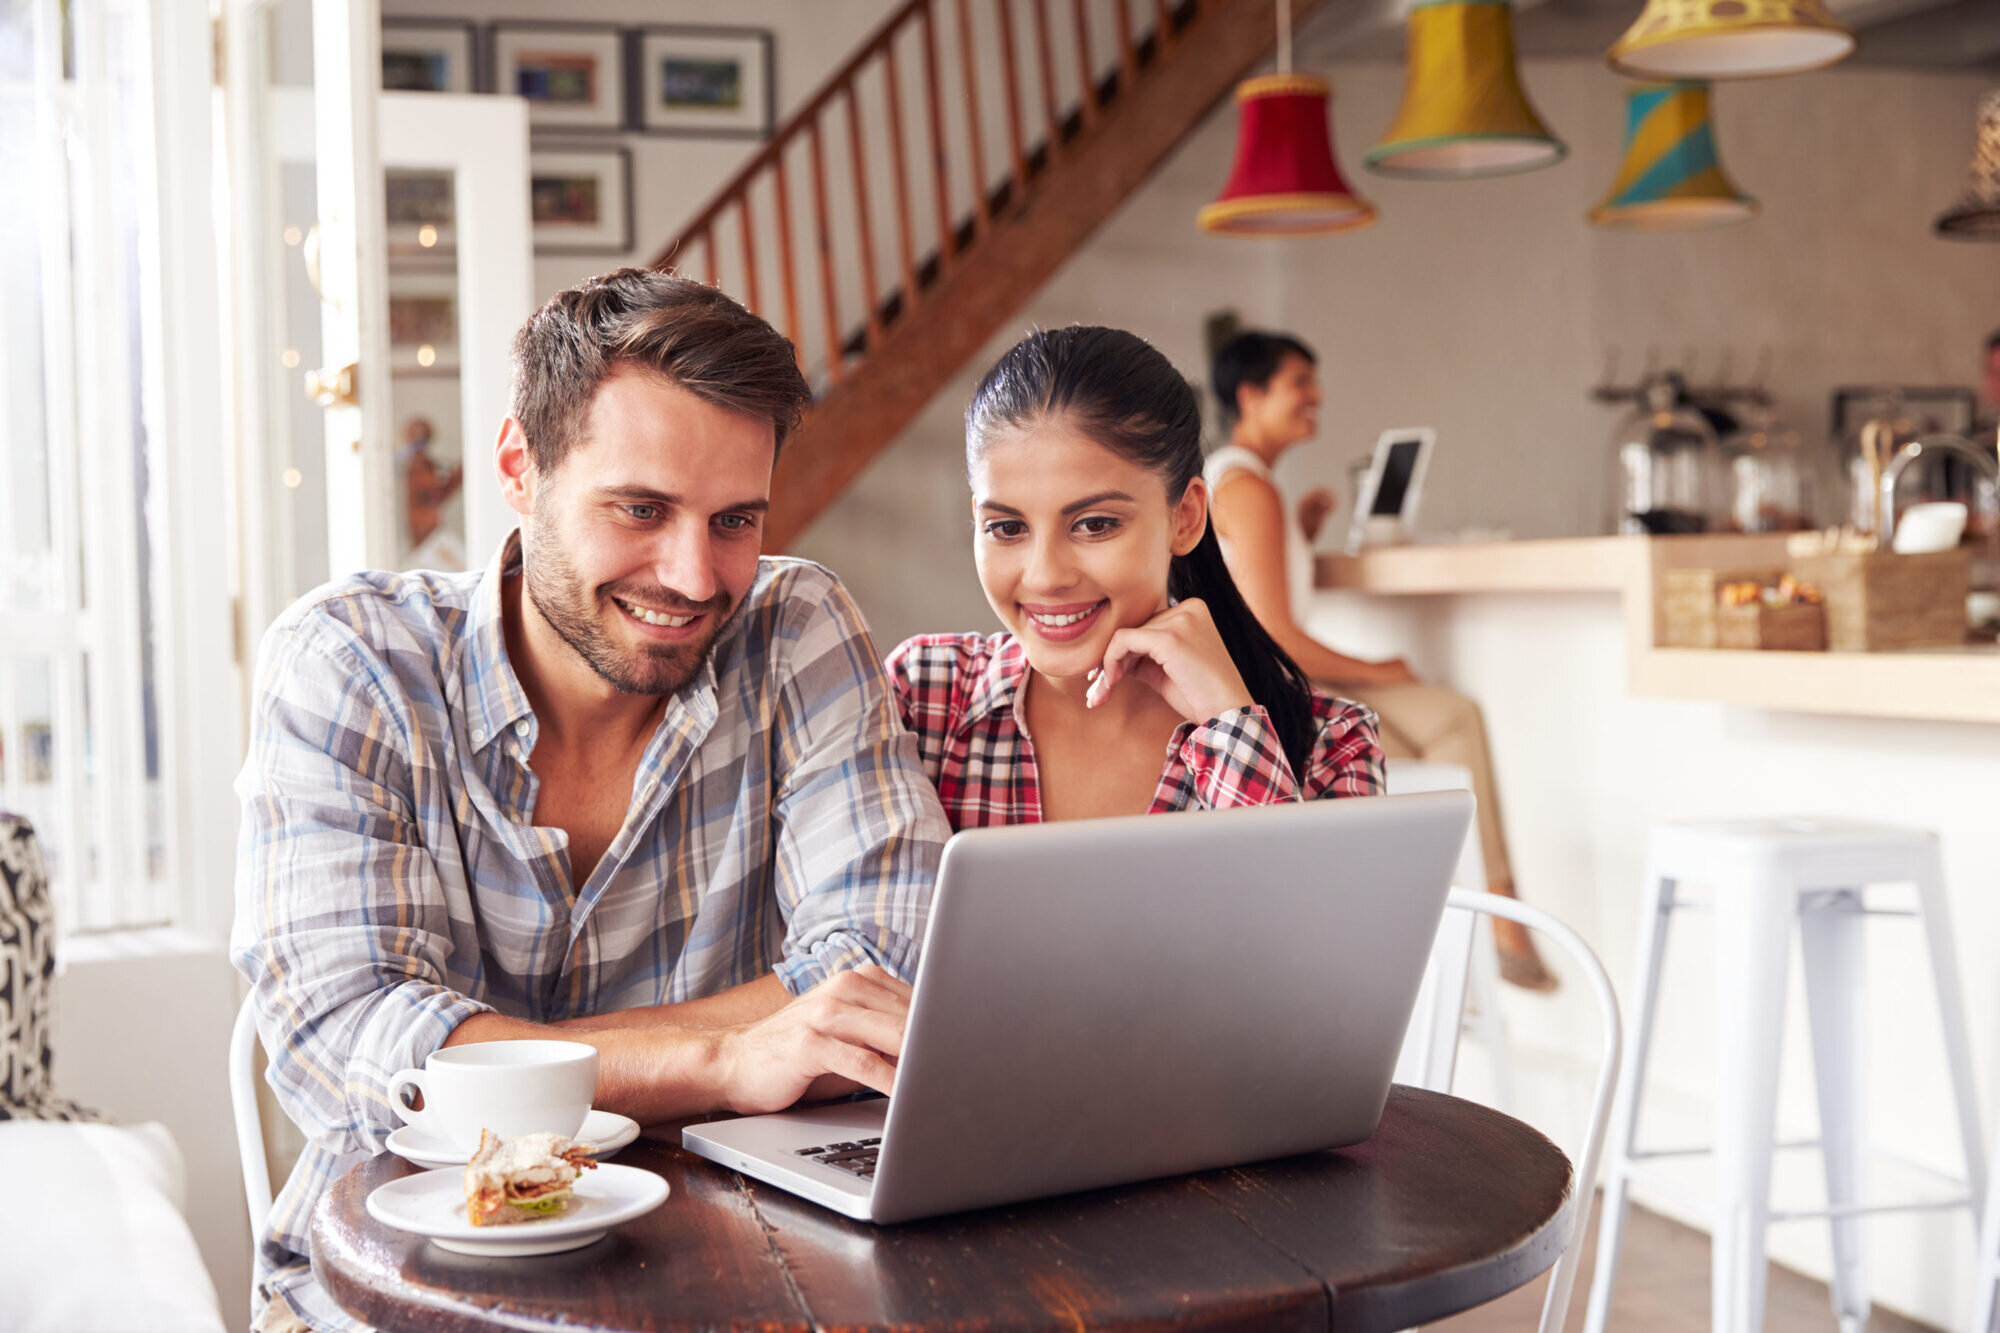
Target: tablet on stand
(1385,508)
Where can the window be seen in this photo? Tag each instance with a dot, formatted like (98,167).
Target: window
(93,628)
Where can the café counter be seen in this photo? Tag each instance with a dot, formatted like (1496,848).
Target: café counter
(1599,735)
(1945,684)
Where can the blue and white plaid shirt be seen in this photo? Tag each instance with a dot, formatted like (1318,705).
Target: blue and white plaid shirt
(391,880)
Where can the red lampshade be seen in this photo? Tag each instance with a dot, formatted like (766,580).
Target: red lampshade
(1285,182)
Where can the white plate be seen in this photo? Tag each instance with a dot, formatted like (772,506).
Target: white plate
(432,1203)
(603,1132)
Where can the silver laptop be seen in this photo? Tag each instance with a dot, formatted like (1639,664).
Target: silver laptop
(1106,1001)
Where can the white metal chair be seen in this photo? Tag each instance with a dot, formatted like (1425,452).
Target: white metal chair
(1988,1291)
(1449,959)
(1463,998)
(249,1118)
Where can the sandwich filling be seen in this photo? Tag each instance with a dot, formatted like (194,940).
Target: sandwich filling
(517,1180)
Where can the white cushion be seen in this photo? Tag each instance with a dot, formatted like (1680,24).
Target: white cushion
(91,1234)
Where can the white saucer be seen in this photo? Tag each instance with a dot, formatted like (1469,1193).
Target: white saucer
(603,1132)
(432,1203)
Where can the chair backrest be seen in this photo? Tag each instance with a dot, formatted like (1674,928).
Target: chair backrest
(249,1118)
(1465,905)
(1430,1048)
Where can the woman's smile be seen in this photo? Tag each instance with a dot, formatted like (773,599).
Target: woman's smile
(1063,623)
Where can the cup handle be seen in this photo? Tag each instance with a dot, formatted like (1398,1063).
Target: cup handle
(409,1078)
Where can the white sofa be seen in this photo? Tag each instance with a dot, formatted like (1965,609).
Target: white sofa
(92,1237)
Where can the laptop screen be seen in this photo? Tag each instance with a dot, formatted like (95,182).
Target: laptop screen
(1397,470)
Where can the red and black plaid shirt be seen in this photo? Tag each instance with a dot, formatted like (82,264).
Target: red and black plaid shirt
(957,692)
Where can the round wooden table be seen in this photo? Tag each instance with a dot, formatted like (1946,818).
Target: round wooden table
(1449,1205)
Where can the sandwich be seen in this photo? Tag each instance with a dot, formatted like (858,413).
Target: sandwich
(520,1179)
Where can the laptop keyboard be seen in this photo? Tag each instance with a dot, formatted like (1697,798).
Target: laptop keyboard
(856,1158)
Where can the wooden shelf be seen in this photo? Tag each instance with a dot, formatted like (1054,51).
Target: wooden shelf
(1945,684)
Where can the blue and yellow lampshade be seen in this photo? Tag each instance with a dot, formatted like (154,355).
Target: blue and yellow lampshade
(1671,180)
(1729,39)
(1464,112)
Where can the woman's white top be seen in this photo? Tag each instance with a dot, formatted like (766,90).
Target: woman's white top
(1298,552)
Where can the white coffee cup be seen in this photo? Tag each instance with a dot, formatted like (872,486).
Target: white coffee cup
(509,1087)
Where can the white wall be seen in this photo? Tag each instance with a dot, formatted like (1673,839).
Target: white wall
(1486,308)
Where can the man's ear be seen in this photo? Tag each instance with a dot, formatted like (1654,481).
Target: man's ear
(515,467)
(1190,517)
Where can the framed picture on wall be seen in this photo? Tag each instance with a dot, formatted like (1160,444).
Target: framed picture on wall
(703,81)
(581,200)
(423,323)
(572,76)
(428,56)
(422,208)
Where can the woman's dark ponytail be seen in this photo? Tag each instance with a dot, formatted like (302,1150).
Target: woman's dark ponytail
(1275,680)
(1128,397)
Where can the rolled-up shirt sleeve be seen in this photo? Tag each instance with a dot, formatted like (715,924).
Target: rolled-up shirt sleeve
(859,830)
(342,925)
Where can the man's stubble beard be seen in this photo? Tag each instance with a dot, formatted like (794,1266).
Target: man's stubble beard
(559,596)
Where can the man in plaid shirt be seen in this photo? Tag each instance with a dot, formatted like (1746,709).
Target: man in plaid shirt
(630,785)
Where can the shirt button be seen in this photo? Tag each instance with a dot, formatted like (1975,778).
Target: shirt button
(521,727)
(479,735)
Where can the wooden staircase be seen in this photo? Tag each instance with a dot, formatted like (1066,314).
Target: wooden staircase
(1087,109)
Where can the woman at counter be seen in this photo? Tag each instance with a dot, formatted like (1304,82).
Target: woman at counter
(1268,384)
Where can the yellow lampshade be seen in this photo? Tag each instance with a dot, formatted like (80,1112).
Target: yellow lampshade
(1671,179)
(1463,112)
(1975,214)
(1729,39)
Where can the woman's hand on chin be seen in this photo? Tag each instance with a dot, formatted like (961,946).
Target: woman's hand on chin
(1179,654)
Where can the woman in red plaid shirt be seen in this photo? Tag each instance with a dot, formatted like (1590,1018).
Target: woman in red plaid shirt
(1132,678)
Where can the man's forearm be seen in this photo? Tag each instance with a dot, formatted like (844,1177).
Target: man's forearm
(732,1008)
(651,1073)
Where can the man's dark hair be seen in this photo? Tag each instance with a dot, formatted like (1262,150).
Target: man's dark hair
(687,333)
(1251,358)
(1992,341)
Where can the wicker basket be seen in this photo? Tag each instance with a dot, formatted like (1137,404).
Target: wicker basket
(1796,627)
(1883,601)
(1688,602)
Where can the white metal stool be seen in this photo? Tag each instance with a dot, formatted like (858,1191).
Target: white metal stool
(1447,1006)
(1765,875)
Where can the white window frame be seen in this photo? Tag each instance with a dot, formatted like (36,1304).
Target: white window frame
(197,689)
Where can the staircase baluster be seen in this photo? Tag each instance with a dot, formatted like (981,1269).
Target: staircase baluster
(1011,73)
(823,234)
(786,275)
(1128,54)
(710,273)
(904,254)
(947,245)
(1046,56)
(749,251)
(1163,28)
(871,294)
(1086,67)
(982,206)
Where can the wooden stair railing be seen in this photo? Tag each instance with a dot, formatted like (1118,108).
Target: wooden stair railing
(968,249)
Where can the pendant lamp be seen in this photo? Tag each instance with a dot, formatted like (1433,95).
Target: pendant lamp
(1975,216)
(1729,39)
(1670,180)
(1463,112)
(1285,181)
